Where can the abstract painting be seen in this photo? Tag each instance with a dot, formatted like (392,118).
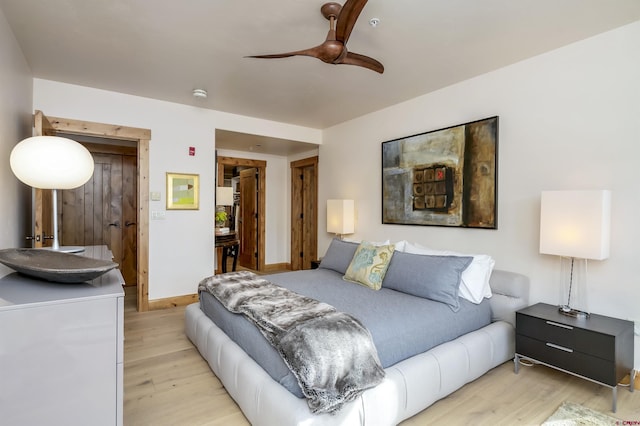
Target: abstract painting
(445,177)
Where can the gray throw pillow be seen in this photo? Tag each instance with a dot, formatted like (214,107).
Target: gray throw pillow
(431,277)
(339,255)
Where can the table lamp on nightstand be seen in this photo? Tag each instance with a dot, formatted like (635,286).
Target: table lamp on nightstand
(340,217)
(575,225)
(224,199)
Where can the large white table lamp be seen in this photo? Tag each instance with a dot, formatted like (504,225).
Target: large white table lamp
(575,225)
(52,162)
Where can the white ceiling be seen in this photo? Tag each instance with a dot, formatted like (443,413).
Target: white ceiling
(236,141)
(164,49)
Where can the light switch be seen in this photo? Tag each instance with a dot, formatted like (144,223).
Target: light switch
(155,196)
(158,215)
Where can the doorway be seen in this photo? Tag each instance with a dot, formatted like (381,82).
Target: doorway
(252,207)
(141,138)
(304,213)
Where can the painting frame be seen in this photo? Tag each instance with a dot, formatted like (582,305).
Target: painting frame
(444,177)
(183,191)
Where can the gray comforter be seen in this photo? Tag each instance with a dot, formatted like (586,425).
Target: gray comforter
(401,325)
(309,335)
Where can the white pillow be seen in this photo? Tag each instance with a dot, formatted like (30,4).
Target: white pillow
(400,245)
(474,283)
(373,243)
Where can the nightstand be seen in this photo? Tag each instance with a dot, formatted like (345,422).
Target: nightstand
(598,348)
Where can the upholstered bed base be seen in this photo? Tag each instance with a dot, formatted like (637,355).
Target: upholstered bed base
(409,387)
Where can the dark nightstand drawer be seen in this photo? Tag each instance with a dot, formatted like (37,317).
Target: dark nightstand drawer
(575,362)
(576,338)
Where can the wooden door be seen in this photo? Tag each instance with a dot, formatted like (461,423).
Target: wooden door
(103,211)
(129,260)
(304,213)
(43,207)
(249,194)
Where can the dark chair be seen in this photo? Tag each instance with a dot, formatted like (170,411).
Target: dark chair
(229,248)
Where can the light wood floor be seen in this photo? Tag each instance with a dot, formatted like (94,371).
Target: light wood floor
(166,382)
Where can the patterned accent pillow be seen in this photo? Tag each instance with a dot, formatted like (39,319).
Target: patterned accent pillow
(369,265)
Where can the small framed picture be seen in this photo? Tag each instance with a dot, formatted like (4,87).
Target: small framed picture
(183,191)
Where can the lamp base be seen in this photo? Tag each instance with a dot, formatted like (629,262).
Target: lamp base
(574,313)
(66,249)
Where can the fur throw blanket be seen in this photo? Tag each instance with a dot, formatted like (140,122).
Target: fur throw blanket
(330,353)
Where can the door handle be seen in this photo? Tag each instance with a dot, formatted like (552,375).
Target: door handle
(116,224)
(128,224)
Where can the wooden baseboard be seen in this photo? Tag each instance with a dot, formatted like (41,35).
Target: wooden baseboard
(277,267)
(172,302)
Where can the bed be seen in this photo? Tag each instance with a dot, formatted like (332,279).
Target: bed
(415,377)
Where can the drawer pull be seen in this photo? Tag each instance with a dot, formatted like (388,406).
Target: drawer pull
(562,348)
(568,327)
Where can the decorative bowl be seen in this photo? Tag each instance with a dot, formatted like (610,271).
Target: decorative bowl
(55,266)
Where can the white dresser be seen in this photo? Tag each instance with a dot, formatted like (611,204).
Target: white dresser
(61,350)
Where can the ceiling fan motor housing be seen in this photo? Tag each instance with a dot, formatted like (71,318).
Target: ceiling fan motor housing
(331,10)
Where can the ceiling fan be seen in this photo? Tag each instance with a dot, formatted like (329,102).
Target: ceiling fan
(342,19)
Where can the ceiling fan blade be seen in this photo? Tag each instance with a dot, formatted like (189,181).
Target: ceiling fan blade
(326,52)
(314,52)
(362,61)
(347,18)
(274,55)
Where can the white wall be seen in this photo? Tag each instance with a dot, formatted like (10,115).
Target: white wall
(15,124)
(569,119)
(180,246)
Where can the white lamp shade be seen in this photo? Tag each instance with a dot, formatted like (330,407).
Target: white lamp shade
(224,196)
(340,216)
(575,223)
(51,162)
